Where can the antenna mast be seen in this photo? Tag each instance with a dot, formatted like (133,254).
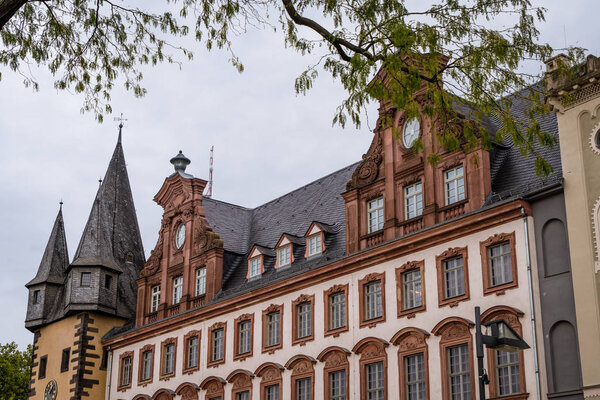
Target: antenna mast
(209,191)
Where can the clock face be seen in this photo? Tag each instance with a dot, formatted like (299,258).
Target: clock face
(51,390)
(411,132)
(180,236)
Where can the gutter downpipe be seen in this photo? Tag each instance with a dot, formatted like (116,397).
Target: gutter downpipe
(531,306)
(109,372)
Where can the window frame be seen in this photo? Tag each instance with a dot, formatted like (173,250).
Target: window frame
(446,180)
(163,374)
(371,350)
(400,272)
(43,367)
(214,388)
(124,386)
(236,340)
(258,258)
(372,277)
(198,279)
(35,297)
(64,364)
(302,367)
(152,294)
(186,369)
(241,381)
(411,341)
(447,255)
(335,359)
(107,281)
(176,288)
(327,305)
(406,197)
(141,381)
(210,362)
(303,299)
(485,245)
(290,249)
(376,210)
(309,253)
(86,273)
(270,374)
(272,309)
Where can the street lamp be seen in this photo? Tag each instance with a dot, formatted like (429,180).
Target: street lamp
(502,337)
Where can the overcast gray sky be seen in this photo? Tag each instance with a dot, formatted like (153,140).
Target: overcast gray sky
(267,141)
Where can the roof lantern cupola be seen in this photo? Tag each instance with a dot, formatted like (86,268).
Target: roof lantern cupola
(180,162)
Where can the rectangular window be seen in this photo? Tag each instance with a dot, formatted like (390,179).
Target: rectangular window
(314,244)
(509,378)
(155,298)
(42,369)
(192,352)
(245,395)
(273,327)
(500,262)
(375,214)
(303,389)
(458,372)
(217,345)
(454,183)
(126,371)
(200,281)
(304,322)
(64,362)
(36,297)
(375,381)
(454,277)
(169,361)
(284,256)
(373,305)
(147,361)
(411,289)
(337,385)
(177,289)
(414,366)
(272,392)
(107,281)
(86,279)
(413,200)
(245,337)
(337,310)
(255,268)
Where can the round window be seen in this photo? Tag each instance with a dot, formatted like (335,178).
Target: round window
(180,236)
(411,132)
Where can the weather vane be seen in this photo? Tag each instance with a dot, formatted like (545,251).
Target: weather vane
(120,119)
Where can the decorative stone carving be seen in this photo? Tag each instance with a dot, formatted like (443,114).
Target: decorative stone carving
(451,162)
(213,387)
(451,252)
(303,298)
(335,359)
(272,308)
(188,393)
(368,169)
(241,381)
(455,331)
(335,289)
(370,278)
(271,374)
(410,265)
(497,238)
(372,350)
(204,237)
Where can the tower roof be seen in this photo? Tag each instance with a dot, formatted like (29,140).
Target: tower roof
(112,236)
(56,258)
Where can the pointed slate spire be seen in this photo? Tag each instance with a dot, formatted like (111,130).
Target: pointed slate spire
(56,258)
(111,237)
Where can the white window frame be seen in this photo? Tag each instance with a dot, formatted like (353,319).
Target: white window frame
(315,244)
(155,298)
(255,267)
(456,183)
(169,366)
(375,215)
(304,319)
(192,352)
(245,336)
(273,329)
(217,341)
(500,263)
(412,289)
(284,255)
(177,289)
(201,281)
(126,371)
(337,310)
(413,200)
(373,300)
(147,365)
(451,269)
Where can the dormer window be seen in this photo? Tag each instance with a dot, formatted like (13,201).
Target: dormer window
(255,267)
(454,184)
(314,244)
(375,214)
(284,256)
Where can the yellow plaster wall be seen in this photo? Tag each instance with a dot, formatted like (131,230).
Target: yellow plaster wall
(60,335)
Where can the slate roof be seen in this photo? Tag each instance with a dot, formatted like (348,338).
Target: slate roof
(56,257)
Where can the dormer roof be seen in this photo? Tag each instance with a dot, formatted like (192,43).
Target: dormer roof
(265,251)
(320,226)
(55,260)
(296,240)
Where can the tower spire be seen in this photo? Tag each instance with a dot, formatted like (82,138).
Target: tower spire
(120,119)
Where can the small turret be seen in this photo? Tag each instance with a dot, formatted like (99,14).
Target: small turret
(44,288)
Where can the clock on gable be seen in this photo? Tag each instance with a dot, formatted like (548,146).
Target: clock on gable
(51,390)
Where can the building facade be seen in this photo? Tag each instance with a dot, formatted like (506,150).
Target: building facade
(360,285)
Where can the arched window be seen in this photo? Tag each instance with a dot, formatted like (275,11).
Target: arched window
(335,373)
(163,394)
(413,363)
(566,372)
(270,383)
(373,368)
(214,388)
(188,391)
(242,384)
(303,377)
(505,370)
(555,248)
(456,355)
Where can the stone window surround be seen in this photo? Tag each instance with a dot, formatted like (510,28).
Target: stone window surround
(439,260)
(163,358)
(408,267)
(335,359)
(371,350)
(186,337)
(272,308)
(236,337)
(209,361)
(303,298)
(301,367)
(121,387)
(372,277)
(411,341)
(214,388)
(151,348)
(326,293)
(485,263)
(241,381)
(270,374)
